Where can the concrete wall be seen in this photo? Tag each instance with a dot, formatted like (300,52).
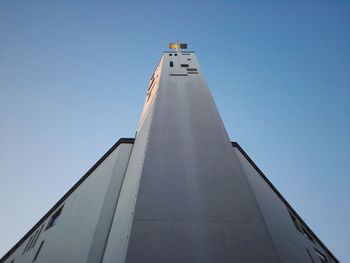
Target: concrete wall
(119,236)
(71,239)
(194,202)
(291,244)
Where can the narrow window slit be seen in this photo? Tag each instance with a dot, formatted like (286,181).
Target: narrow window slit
(38,251)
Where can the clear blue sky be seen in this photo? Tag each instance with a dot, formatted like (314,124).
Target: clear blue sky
(73,77)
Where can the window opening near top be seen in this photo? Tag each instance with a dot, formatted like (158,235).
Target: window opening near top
(170,54)
(153,83)
(150,85)
(37,252)
(175,74)
(171,64)
(54,218)
(189,59)
(184,65)
(175,54)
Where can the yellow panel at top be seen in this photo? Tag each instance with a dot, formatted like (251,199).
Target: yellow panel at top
(173,46)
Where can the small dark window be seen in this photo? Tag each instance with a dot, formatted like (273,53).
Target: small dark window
(184,65)
(296,223)
(307,234)
(34,237)
(191,69)
(170,54)
(37,235)
(171,64)
(321,256)
(37,252)
(300,227)
(189,59)
(178,74)
(54,218)
(308,252)
(150,85)
(175,54)
(28,244)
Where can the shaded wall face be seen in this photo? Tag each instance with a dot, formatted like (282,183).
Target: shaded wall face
(292,244)
(194,203)
(71,238)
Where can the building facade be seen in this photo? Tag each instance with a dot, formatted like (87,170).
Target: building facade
(180,191)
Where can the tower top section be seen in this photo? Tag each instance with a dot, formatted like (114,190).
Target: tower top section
(177,46)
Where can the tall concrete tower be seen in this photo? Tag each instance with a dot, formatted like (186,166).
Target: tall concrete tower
(181,191)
